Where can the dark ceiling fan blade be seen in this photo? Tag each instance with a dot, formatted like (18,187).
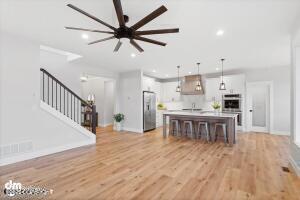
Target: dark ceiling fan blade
(92,17)
(118,46)
(119,11)
(149,17)
(104,39)
(158,31)
(89,30)
(136,45)
(149,40)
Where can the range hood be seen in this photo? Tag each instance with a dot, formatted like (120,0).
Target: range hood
(189,83)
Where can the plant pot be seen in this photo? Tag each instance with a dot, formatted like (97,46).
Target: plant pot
(217,111)
(118,126)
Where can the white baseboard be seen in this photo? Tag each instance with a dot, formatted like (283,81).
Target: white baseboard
(274,132)
(67,121)
(44,152)
(132,130)
(105,125)
(295,166)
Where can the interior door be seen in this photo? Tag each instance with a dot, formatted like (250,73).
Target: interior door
(258,107)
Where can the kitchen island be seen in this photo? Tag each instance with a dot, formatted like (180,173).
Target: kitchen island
(210,117)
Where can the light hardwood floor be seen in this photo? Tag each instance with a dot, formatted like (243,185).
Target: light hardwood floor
(134,166)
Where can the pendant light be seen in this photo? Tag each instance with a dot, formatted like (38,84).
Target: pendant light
(198,84)
(178,89)
(222,84)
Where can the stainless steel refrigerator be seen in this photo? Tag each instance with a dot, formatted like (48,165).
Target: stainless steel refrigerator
(149,105)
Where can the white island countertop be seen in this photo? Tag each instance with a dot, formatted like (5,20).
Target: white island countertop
(202,114)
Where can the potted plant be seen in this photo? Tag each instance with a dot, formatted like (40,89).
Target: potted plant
(160,106)
(118,119)
(216,106)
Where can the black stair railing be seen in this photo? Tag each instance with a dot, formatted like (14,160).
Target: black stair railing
(64,100)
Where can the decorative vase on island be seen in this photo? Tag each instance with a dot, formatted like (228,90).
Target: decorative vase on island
(217,111)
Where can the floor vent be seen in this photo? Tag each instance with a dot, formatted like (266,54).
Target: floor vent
(8,150)
(285,169)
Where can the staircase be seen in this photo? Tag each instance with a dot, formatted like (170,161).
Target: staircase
(58,96)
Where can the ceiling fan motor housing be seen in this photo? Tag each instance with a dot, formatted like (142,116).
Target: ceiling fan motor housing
(124,32)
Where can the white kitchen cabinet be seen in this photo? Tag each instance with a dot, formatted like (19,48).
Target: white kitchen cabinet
(212,92)
(157,90)
(148,84)
(235,84)
(159,118)
(169,93)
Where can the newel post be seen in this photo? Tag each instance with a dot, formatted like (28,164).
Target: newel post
(94,120)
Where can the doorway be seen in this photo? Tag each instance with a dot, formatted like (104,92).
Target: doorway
(102,90)
(259,106)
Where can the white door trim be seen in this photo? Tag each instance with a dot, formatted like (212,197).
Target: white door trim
(271,103)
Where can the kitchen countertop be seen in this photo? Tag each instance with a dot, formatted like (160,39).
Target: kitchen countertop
(201,114)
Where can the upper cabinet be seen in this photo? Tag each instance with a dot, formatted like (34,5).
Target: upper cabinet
(188,85)
(212,89)
(235,84)
(150,84)
(169,93)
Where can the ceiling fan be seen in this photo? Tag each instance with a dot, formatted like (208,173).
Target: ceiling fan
(132,33)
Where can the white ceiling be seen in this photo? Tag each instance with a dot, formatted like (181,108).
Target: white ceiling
(256,32)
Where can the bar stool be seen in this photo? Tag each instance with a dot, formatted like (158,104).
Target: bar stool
(223,126)
(177,127)
(188,125)
(205,124)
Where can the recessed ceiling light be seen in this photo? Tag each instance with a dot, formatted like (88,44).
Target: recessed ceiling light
(217,69)
(85,36)
(133,55)
(190,72)
(220,32)
(83,78)
(167,75)
(154,71)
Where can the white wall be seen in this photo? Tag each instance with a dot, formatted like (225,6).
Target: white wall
(130,100)
(109,101)
(95,86)
(103,89)
(295,98)
(22,119)
(70,72)
(280,76)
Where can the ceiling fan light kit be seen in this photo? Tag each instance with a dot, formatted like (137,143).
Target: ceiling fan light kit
(124,31)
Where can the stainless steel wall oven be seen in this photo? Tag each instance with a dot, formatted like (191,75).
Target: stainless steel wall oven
(232,103)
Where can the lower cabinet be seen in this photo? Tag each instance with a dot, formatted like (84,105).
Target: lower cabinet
(159,118)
